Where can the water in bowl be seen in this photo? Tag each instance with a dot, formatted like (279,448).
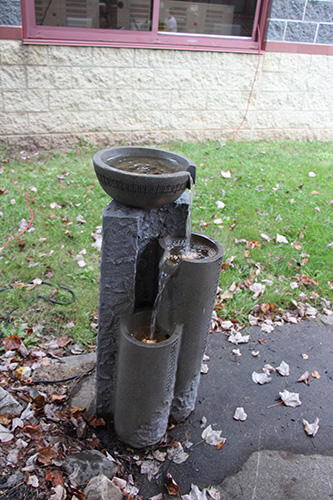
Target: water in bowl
(145,165)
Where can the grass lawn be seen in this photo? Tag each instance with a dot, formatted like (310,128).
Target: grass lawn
(270,205)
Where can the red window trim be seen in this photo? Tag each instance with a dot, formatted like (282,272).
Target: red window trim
(299,48)
(136,39)
(10,33)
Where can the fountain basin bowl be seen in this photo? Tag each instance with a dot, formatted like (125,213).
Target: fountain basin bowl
(143,190)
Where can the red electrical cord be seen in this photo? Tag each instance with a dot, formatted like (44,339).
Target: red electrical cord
(252,87)
(31,219)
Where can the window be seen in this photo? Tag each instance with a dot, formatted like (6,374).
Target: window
(204,24)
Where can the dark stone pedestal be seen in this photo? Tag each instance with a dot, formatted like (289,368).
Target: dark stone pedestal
(129,278)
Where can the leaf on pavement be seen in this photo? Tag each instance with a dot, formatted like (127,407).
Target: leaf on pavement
(171,485)
(238,338)
(240,414)
(95,421)
(177,454)
(290,398)
(195,494)
(212,437)
(305,378)
(261,378)
(311,429)
(283,369)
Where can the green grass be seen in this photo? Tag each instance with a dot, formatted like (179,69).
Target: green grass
(67,179)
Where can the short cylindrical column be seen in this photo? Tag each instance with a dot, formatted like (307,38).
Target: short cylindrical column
(145,383)
(188,299)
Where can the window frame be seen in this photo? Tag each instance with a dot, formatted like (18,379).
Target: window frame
(57,35)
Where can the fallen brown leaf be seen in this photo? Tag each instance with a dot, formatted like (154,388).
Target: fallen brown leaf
(55,477)
(46,456)
(95,421)
(13,343)
(171,485)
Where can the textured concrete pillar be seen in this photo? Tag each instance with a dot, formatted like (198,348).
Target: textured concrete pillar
(129,278)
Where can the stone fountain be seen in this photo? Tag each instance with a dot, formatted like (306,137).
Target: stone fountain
(157,292)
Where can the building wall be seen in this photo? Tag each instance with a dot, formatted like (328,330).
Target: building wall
(305,21)
(51,96)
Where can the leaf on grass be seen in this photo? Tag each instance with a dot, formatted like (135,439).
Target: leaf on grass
(226,175)
(13,343)
(258,289)
(212,437)
(265,237)
(311,429)
(283,369)
(220,204)
(238,338)
(171,485)
(261,378)
(226,325)
(64,341)
(225,296)
(54,205)
(80,219)
(312,174)
(305,378)
(281,239)
(240,414)
(218,221)
(228,262)
(290,398)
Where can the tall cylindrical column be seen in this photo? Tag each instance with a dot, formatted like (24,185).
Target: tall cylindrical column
(188,299)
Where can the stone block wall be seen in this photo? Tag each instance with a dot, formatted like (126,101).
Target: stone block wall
(302,21)
(55,96)
(10,13)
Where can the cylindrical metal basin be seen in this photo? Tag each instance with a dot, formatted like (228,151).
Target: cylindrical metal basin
(188,299)
(143,177)
(145,383)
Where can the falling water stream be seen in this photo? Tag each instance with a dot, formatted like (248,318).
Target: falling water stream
(176,251)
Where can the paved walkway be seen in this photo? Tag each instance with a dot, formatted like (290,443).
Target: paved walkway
(269,456)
